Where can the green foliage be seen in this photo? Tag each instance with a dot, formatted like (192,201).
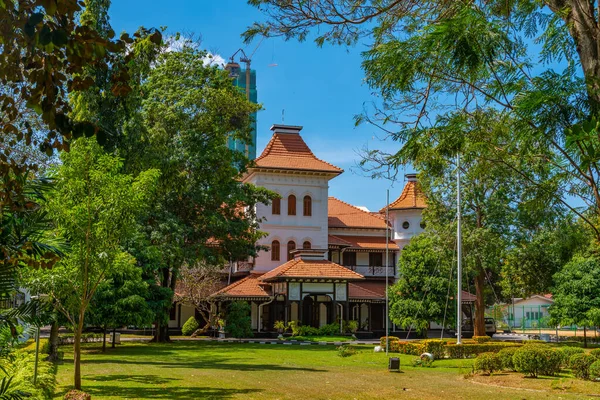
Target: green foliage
(487,363)
(594,370)
(351,326)
(595,353)
(505,356)
(577,293)
(306,330)
(190,326)
(345,351)
(280,326)
(330,329)
(482,339)
(580,365)
(420,294)
(467,350)
(434,346)
(567,352)
(18,369)
(239,323)
(535,359)
(423,361)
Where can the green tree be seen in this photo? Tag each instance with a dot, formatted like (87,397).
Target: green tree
(576,293)
(537,61)
(238,322)
(421,293)
(121,299)
(95,206)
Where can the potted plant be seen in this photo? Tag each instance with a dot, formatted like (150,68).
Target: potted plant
(221,325)
(281,327)
(353,327)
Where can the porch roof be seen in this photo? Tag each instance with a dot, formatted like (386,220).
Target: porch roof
(250,286)
(366,290)
(368,243)
(310,269)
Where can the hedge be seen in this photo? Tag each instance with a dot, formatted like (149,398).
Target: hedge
(470,350)
(488,363)
(506,358)
(580,365)
(567,352)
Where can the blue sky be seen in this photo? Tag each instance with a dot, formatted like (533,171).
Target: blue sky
(319,88)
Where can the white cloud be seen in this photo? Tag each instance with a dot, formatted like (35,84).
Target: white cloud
(211,59)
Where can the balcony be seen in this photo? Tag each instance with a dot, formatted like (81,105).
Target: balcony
(242,266)
(371,271)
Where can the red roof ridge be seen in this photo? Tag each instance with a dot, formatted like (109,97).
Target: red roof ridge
(416,200)
(235,284)
(299,262)
(379,219)
(374,294)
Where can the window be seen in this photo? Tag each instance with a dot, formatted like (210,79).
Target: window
(276,206)
(405,225)
(291,204)
(306,245)
(291,247)
(275,250)
(349,259)
(307,206)
(375,259)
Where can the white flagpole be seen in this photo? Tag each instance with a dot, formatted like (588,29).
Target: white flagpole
(459,256)
(387,251)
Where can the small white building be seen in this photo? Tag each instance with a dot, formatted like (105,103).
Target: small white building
(529,312)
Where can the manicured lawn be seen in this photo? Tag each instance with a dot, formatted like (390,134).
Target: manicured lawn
(211,370)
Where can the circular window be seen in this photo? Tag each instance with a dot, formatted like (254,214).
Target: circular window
(422,225)
(405,225)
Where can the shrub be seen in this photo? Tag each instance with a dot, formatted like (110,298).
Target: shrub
(506,358)
(435,347)
(567,352)
(346,351)
(280,326)
(239,323)
(552,363)
(580,365)
(411,348)
(481,339)
(75,394)
(306,330)
(329,329)
(488,363)
(189,327)
(20,365)
(422,362)
(473,349)
(595,370)
(294,327)
(595,353)
(384,340)
(351,326)
(530,360)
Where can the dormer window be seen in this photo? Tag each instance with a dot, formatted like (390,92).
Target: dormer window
(276,206)
(291,204)
(307,206)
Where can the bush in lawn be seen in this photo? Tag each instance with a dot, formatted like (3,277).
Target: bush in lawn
(411,348)
(307,330)
(580,365)
(567,352)
(346,351)
(329,329)
(595,370)
(394,343)
(481,339)
(552,363)
(488,363)
(239,323)
(473,349)
(595,353)
(530,360)
(189,327)
(435,347)
(506,358)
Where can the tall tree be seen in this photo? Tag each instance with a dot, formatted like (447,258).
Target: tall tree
(95,206)
(576,293)
(536,60)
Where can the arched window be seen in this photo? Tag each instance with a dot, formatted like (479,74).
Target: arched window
(275,250)
(276,206)
(291,204)
(306,245)
(307,206)
(291,247)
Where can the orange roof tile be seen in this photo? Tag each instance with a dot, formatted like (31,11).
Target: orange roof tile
(369,242)
(336,241)
(250,286)
(411,197)
(321,269)
(366,290)
(344,215)
(287,150)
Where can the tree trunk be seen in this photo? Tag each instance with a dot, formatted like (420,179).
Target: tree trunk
(77,355)
(114,333)
(104,339)
(162,333)
(584,337)
(53,355)
(479,320)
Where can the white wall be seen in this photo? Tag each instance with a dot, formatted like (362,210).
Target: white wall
(401,235)
(292,227)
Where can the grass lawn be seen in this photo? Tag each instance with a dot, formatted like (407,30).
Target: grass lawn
(211,370)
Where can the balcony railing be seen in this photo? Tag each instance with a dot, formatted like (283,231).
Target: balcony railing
(242,266)
(369,270)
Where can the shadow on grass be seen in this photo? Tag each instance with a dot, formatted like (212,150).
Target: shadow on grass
(133,392)
(147,379)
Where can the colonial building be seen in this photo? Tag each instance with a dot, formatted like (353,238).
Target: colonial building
(326,259)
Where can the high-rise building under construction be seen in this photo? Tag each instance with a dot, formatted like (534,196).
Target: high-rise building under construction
(242,79)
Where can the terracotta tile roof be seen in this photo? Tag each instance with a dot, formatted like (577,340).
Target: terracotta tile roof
(336,241)
(250,286)
(411,197)
(344,215)
(289,151)
(369,242)
(366,290)
(468,297)
(321,269)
